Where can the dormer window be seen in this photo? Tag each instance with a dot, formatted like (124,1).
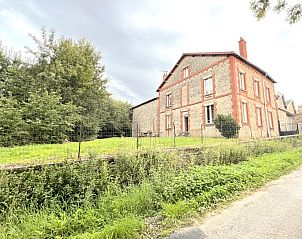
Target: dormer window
(186,72)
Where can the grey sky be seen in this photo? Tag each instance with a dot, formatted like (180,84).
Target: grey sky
(139,39)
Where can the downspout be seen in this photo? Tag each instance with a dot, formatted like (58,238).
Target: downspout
(265,108)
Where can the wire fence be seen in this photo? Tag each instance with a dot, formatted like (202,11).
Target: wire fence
(113,139)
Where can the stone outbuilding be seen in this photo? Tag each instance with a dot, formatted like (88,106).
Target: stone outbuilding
(286,113)
(204,84)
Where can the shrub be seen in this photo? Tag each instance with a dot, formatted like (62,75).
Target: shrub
(226,125)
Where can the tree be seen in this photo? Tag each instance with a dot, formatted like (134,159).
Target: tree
(119,120)
(293,11)
(226,125)
(47,119)
(12,126)
(73,70)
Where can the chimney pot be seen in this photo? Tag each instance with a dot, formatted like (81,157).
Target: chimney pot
(242,48)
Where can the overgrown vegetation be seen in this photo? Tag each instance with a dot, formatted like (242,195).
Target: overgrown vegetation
(59,94)
(98,199)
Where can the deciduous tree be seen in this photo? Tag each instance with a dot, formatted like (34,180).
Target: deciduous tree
(293,10)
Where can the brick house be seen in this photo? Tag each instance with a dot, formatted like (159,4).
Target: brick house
(204,84)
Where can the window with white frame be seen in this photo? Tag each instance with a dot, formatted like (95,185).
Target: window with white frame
(256,87)
(268,94)
(270,119)
(209,114)
(242,80)
(168,121)
(186,72)
(208,85)
(244,112)
(168,100)
(259,116)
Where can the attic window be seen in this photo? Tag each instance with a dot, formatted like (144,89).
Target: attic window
(186,72)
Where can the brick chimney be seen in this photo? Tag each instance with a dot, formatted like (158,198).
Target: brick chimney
(165,75)
(242,48)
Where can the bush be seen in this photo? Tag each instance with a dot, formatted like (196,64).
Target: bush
(226,125)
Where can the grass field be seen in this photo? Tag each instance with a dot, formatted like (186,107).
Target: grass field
(43,153)
(77,201)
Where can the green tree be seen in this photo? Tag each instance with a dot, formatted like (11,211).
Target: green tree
(73,70)
(47,119)
(12,126)
(293,11)
(119,120)
(226,125)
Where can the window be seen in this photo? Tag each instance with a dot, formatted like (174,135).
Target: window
(209,114)
(259,116)
(168,100)
(168,122)
(242,80)
(270,119)
(268,94)
(256,87)
(208,86)
(186,72)
(244,112)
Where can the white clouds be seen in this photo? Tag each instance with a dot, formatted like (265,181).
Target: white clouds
(139,39)
(15,28)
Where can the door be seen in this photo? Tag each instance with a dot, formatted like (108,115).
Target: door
(185,122)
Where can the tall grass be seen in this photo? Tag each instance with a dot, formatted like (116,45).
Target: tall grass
(102,200)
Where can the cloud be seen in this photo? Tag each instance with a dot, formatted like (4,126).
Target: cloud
(138,39)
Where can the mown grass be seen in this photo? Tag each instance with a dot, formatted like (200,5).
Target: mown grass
(31,154)
(97,200)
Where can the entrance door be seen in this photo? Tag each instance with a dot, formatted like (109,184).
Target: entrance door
(185,122)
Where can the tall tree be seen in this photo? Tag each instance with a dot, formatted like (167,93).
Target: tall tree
(119,121)
(12,126)
(73,70)
(47,119)
(293,11)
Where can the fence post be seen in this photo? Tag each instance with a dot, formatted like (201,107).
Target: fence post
(298,129)
(137,136)
(201,133)
(80,139)
(174,136)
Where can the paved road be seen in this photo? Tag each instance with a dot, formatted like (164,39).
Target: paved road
(273,212)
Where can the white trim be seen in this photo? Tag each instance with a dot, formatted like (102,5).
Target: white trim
(244,112)
(208,76)
(208,103)
(211,118)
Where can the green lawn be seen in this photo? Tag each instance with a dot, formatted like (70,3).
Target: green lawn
(31,154)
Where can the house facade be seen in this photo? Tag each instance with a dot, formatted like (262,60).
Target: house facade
(202,85)
(286,113)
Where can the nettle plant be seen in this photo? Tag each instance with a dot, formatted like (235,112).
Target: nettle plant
(226,125)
